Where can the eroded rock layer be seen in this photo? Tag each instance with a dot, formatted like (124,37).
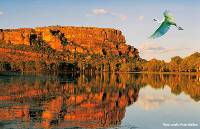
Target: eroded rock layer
(84,39)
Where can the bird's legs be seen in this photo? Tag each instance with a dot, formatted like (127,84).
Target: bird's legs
(178,27)
(156,20)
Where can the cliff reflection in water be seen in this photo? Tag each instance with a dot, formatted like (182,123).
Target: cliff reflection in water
(87,101)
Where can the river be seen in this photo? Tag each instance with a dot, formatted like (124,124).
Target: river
(104,100)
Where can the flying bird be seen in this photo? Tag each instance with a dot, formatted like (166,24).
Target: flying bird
(165,25)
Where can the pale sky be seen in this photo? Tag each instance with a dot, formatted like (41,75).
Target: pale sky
(132,17)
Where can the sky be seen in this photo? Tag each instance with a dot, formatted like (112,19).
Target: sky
(133,17)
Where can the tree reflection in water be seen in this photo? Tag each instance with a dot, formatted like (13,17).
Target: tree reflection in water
(86,101)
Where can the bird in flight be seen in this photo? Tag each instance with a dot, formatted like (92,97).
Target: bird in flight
(165,25)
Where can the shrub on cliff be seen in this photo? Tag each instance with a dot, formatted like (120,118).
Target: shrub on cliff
(61,37)
(64,44)
(42,47)
(104,51)
(39,45)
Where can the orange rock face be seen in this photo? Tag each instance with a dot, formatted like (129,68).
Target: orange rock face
(16,36)
(84,39)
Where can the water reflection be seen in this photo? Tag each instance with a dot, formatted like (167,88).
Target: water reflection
(85,101)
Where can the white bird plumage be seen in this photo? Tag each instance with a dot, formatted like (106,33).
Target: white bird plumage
(165,25)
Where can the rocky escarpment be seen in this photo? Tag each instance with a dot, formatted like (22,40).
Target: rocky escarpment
(81,39)
(56,48)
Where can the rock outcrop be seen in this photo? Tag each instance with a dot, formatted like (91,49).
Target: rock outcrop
(80,39)
(60,49)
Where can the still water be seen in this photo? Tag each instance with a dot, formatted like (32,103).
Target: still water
(127,101)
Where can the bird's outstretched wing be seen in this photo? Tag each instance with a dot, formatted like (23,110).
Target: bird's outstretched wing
(164,27)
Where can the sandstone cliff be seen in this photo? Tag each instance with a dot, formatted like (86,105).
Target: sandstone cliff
(82,39)
(57,48)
